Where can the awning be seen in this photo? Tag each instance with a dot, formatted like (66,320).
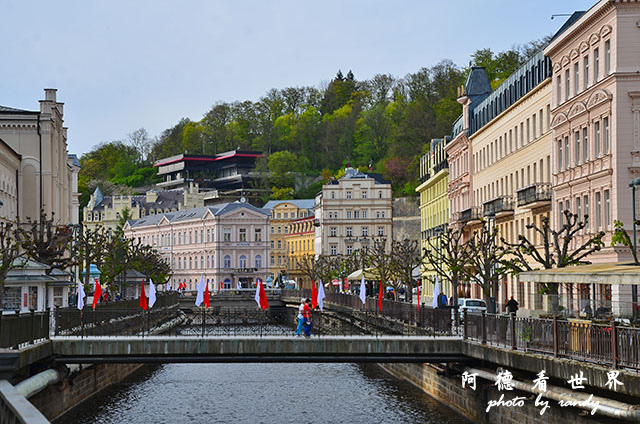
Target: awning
(606,273)
(369,274)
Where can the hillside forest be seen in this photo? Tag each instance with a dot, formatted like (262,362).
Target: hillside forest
(308,134)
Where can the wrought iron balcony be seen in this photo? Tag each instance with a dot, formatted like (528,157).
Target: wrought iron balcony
(467,215)
(434,231)
(534,195)
(424,177)
(444,164)
(501,205)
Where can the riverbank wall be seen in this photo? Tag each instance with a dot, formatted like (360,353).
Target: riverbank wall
(472,404)
(59,398)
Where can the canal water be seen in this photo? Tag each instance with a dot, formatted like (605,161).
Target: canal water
(261,393)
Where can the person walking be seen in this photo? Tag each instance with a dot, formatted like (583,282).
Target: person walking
(300,317)
(512,306)
(306,313)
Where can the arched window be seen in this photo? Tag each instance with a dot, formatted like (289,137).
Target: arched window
(243,261)
(227,261)
(258,261)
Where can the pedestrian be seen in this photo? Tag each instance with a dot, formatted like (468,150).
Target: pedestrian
(512,306)
(300,317)
(443,300)
(306,313)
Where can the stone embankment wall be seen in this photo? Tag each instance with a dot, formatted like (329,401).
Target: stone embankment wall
(473,404)
(57,399)
(406,218)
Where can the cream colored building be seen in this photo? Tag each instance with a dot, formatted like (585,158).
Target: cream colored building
(351,212)
(283,212)
(300,241)
(9,169)
(47,177)
(106,211)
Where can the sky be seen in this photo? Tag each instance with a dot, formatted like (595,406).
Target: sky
(123,65)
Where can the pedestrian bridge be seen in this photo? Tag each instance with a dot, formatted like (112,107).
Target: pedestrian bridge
(163,349)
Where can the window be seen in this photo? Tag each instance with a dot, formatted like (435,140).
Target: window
(364,194)
(381,214)
(364,214)
(585,203)
(585,145)
(596,65)
(179,263)
(201,262)
(607,57)
(243,261)
(605,135)
(585,72)
(272,244)
(533,122)
(279,230)
(567,85)
(208,235)
(559,155)
(348,195)
(279,244)
(272,229)
(332,231)
(279,215)
(596,136)
(242,234)
(348,214)
(380,195)
(227,234)
(279,260)
(273,260)
(566,153)
(365,231)
(377,214)
(190,239)
(333,249)
(227,262)
(607,209)
(286,229)
(578,151)
(190,262)
(598,206)
(356,214)
(333,194)
(560,214)
(578,210)
(380,231)
(208,261)
(349,231)
(349,250)
(258,261)
(257,234)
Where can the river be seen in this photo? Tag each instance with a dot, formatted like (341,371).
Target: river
(261,393)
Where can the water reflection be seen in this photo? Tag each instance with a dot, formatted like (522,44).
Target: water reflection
(261,393)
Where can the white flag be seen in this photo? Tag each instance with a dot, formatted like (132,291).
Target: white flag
(81,295)
(436,293)
(152,293)
(168,286)
(200,296)
(321,295)
(363,290)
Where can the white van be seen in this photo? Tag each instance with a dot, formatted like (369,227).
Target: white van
(471,305)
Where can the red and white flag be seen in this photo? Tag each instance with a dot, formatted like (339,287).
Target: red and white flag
(261,296)
(143,298)
(97,292)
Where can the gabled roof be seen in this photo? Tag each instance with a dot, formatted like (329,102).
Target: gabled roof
(6,109)
(299,203)
(230,207)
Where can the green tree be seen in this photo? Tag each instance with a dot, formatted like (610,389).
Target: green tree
(283,166)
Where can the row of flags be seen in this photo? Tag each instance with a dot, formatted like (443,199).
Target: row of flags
(145,302)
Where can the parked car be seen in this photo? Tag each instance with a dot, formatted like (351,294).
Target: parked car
(470,305)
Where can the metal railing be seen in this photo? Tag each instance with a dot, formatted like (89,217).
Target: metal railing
(470,214)
(538,192)
(498,205)
(17,329)
(16,409)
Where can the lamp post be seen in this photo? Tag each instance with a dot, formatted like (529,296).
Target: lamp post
(438,232)
(634,288)
(491,224)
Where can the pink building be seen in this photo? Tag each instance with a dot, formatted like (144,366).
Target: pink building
(228,243)
(596,122)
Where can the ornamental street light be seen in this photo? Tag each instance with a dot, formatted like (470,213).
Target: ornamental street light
(491,225)
(634,288)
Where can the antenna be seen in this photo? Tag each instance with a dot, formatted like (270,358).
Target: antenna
(560,14)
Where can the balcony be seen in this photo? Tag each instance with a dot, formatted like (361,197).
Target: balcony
(534,196)
(467,215)
(440,166)
(434,231)
(424,177)
(500,206)
(245,270)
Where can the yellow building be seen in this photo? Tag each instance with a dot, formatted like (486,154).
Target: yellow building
(434,204)
(283,212)
(300,246)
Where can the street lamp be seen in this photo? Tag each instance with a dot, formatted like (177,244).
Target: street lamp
(491,224)
(438,232)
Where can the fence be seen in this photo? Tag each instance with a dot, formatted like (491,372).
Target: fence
(16,329)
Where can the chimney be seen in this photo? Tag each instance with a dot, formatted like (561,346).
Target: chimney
(50,94)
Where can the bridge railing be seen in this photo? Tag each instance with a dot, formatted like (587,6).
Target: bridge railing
(602,343)
(17,329)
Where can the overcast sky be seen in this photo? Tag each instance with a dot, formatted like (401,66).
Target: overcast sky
(122,65)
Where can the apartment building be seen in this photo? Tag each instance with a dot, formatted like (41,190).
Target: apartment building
(596,128)
(351,211)
(106,211)
(300,242)
(283,212)
(227,244)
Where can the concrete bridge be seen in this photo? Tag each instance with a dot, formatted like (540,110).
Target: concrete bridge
(168,349)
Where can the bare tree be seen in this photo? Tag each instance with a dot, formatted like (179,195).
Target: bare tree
(380,259)
(47,243)
(309,266)
(405,257)
(557,249)
(141,141)
(449,255)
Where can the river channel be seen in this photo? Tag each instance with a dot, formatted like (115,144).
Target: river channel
(261,393)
